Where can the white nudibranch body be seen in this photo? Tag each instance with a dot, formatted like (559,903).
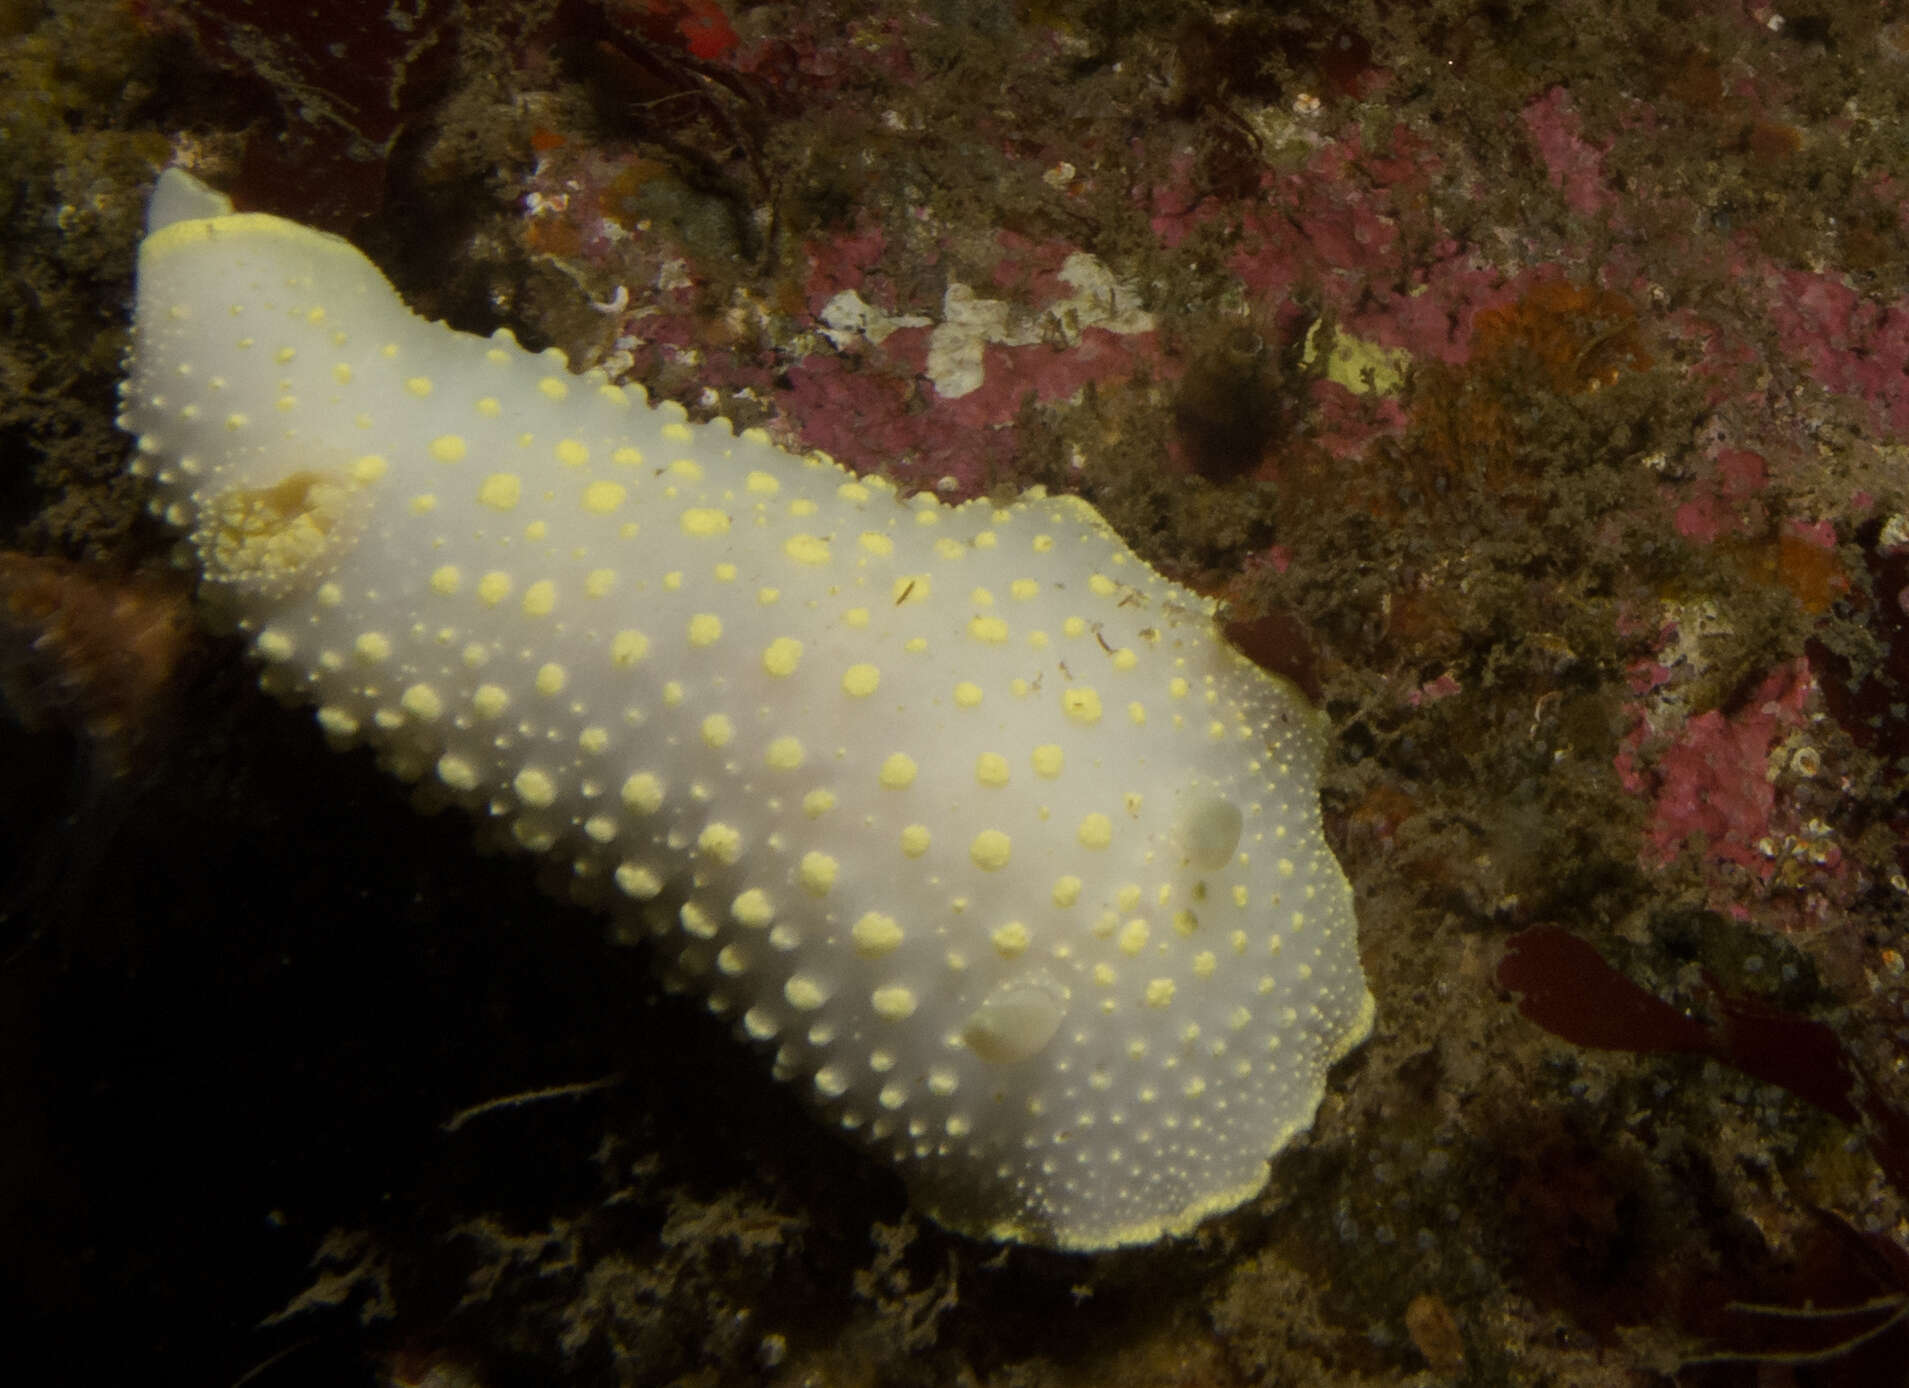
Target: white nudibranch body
(966,814)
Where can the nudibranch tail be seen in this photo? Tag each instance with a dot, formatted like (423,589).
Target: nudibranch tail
(965,815)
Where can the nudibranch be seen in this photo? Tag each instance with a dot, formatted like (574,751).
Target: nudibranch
(964,814)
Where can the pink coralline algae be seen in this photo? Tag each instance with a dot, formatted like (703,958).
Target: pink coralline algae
(931,399)
(1714,784)
(1714,780)
(1718,503)
(1851,344)
(1575,166)
(864,370)
(1433,690)
(1329,230)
